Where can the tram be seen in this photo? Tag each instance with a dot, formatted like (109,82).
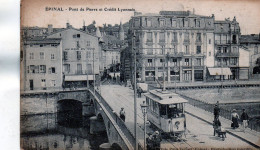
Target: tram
(165,111)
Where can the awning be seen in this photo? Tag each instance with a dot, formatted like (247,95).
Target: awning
(219,71)
(78,77)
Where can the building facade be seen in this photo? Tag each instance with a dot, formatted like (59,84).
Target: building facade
(41,64)
(80,56)
(174,42)
(226,51)
(252,43)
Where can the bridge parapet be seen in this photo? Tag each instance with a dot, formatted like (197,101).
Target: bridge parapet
(125,134)
(80,95)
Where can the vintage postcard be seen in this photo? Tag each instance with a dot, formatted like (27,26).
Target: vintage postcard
(166,74)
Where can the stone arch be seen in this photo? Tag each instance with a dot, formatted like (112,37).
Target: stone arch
(116,146)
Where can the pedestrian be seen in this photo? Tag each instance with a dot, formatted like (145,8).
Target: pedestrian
(244,119)
(216,125)
(139,92)
(155,140)
(216,110)
(235,119)
(122,114)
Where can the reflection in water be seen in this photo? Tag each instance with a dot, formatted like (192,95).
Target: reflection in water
(66,130)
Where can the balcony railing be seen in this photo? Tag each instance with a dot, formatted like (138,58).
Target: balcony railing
(230,54)
(222,41)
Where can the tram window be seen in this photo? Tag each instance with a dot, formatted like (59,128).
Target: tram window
(163,110)
(174,110)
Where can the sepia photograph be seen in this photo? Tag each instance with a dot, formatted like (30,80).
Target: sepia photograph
(139,75)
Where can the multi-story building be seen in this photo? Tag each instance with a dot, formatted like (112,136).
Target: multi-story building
(41,64)
(252,43)
(174,42)
(226,53)
(80,55)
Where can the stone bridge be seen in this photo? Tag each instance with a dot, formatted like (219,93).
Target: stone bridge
(90,103)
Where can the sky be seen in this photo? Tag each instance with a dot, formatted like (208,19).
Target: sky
(34,14)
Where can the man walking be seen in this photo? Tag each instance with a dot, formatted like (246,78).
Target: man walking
(122,114)
(216,110)
(244,118)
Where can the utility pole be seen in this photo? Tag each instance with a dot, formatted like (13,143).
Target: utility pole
(163,51)
(135,102)
(94,70)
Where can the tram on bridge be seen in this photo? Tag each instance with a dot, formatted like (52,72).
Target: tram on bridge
(165,112)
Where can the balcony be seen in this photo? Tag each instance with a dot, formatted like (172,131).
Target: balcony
(176,54)
(186,41)
(222,42)
(227,54)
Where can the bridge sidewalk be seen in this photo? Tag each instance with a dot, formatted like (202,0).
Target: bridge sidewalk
(249,136)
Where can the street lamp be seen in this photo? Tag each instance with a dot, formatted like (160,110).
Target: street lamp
(144,111)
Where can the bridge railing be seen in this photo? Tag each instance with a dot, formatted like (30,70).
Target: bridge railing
(118,120)
(253,122)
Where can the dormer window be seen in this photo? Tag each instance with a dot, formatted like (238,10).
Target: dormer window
(161,22)
(148,22)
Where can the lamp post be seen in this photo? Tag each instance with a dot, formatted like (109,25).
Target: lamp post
(144,111)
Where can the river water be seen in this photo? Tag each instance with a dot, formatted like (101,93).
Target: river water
(67,130)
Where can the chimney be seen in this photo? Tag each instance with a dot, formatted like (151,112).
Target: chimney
(67,25)
(50,29)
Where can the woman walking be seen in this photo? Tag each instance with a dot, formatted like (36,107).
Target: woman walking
(235,119)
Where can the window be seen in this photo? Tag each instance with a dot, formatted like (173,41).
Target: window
(174,23)
(78,35)
(52,69)
(53,45)
(42,68)
(161,23)
(136,23)
(161,62)
(235,50)
(52,56)
(32,69)
(234,39)
(41,45)
(174,60)
(65,55)
(43,84)
(233,61)
(219,49)
(186,23)
(174,37)
(209,53)
(31,56)
(88,54)
(78,55)
(149,37)
(219,62)
(186,37)
(198,61)
(186,62)
(198,37)
(175,48)
(79,69)
(67,68)
(41,55)
(148,23)
(224,49)
(225,61)
(198,50)
(161,37)
(150,61)
(187,51)
(77,44)
(209,41)
(256,50)
(88,43)
(53,83)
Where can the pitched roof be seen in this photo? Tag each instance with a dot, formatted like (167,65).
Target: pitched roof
(249,39)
